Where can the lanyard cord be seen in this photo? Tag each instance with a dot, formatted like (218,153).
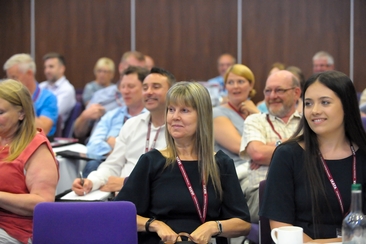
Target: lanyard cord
(148,137)
(331,180)
(201,213)
(36,94)
(237,111)
(274,130)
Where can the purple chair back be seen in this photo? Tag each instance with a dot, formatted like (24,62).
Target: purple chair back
(69,123)
(58,132)
(79,94)
(85,222)
(264,227)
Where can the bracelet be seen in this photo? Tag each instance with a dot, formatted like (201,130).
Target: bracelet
(147,225)
(219,227)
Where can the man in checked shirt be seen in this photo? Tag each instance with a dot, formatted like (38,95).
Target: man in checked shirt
(263,132)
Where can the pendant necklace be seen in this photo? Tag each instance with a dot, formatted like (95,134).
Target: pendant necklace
(2,149)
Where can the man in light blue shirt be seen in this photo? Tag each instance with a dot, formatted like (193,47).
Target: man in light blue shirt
(102,140)
(223,63)
(105,99)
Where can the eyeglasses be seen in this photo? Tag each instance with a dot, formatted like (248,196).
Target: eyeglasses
(278,91)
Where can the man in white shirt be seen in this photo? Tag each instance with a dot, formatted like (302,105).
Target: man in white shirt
(137,136)
(54,69)
(263,132)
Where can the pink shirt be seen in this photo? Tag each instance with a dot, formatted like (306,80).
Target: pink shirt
(12,180)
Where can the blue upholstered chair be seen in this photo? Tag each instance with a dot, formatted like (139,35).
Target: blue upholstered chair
(85,222)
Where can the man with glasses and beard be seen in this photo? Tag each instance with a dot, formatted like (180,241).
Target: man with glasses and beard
(263,132)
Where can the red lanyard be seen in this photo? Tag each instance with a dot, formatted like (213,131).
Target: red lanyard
(36,94)
(332,182)
(202,213)
(274,130)
(231,106)
(148,137)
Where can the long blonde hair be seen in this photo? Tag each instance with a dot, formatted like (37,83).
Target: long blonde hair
(18,95)
(195,95)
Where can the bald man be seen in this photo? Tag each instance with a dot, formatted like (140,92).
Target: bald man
(263,132)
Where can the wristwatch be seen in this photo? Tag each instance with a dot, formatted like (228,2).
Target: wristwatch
(219,227)
(147,224)
(278,142)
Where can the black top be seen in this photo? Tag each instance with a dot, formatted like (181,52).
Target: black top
(164,194)
(287,197)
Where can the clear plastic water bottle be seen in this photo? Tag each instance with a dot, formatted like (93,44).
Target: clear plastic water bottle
(354,224)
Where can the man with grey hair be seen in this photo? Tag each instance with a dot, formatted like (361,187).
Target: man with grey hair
(21,67)
(322,61)
(263,132)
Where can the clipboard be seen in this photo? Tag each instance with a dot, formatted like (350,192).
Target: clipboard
(94,196)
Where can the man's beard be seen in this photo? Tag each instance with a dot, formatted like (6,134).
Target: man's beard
(282,112)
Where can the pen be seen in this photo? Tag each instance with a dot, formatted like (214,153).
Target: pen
(81,178)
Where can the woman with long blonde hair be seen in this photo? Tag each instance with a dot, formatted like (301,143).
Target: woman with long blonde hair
(28,168)
(187,187)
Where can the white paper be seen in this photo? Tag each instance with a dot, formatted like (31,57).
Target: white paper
(77,147)
(91,196)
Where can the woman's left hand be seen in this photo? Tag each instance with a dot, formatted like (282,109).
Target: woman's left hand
(204,232)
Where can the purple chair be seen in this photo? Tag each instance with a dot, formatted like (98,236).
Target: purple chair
(85,222)
(58,132)
(264,227)
(79,94)
(69,123)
